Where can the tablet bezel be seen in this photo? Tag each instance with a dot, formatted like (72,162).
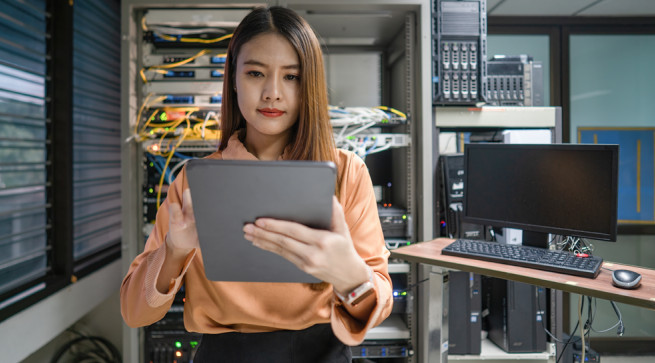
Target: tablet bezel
(226,194)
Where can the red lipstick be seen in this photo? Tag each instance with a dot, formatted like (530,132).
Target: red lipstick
(270,112)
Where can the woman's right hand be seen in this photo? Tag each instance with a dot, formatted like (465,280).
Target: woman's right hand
(182,235)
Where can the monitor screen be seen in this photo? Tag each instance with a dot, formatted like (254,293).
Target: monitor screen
(562,189)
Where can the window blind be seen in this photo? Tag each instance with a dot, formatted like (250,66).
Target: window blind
(23,206)
(96,126)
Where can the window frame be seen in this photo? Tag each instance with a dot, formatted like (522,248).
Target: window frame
(560,30)
(62,269)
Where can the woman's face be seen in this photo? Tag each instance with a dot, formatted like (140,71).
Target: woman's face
(268,85)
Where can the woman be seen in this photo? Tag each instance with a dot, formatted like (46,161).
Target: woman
(274,108)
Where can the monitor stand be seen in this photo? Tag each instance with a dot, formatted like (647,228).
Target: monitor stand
(535,239)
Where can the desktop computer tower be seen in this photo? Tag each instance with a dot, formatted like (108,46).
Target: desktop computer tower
(516,315)
(451,176)
(464,320)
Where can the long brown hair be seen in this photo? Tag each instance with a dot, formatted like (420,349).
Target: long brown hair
(312,137)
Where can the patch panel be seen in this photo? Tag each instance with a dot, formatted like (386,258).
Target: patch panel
(169,60)
(217,60)
(188,73)
(170,99)
(204,101)
(394,140)
(188,146)
(178,41)
(190,87)
(179,74)
(152,57)
(382,350)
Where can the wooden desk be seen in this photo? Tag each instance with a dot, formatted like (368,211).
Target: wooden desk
(600,287)
(433,333)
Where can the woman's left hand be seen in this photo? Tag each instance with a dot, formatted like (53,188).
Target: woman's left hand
(327,255)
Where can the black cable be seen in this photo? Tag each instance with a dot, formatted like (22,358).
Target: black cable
(99,355)
(411,286)
(569,341)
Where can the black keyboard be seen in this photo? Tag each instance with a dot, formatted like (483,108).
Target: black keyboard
(519,255)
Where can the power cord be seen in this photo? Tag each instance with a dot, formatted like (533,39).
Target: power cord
(87,349)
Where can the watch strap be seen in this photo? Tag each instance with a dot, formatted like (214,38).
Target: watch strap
(358,294)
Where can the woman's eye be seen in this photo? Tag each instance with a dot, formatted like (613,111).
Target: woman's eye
(255,74)
(292,77)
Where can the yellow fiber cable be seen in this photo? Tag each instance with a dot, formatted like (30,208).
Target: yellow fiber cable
(168,159)
(392,110)
(145,105)
(195,40)
(159,68)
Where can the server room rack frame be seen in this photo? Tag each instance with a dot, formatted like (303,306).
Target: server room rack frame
(436,288)
(412,94)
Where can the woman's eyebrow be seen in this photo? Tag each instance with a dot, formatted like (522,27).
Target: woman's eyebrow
(253,62)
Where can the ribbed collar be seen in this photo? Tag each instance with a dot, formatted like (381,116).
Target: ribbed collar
(236,150)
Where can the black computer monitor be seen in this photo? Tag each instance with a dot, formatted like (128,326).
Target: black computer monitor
(561,189)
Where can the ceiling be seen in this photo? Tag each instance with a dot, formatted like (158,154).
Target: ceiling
(571,7)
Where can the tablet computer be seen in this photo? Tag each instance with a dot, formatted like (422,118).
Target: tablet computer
(227,194)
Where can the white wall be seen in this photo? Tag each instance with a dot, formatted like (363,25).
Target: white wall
(92,302)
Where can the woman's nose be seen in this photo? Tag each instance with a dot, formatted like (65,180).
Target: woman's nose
(272,89)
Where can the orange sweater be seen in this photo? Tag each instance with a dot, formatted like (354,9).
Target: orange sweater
(218,306)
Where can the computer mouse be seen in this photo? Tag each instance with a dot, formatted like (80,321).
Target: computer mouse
(626,279)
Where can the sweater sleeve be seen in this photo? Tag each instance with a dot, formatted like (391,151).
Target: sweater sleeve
(141,303)
(350,324)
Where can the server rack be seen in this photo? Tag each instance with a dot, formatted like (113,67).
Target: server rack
(397,30)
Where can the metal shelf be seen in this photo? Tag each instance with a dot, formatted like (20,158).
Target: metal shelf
(497,116)
(398,267)
(491,352)
(393,328)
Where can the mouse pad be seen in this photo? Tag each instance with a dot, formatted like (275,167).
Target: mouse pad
(227,194)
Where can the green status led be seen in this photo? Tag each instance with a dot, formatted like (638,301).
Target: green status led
(404,216)
(151,190)
(193,343)
(178,345)
(163,116)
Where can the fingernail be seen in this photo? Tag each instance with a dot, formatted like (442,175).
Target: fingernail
(249,228)
(248,237)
